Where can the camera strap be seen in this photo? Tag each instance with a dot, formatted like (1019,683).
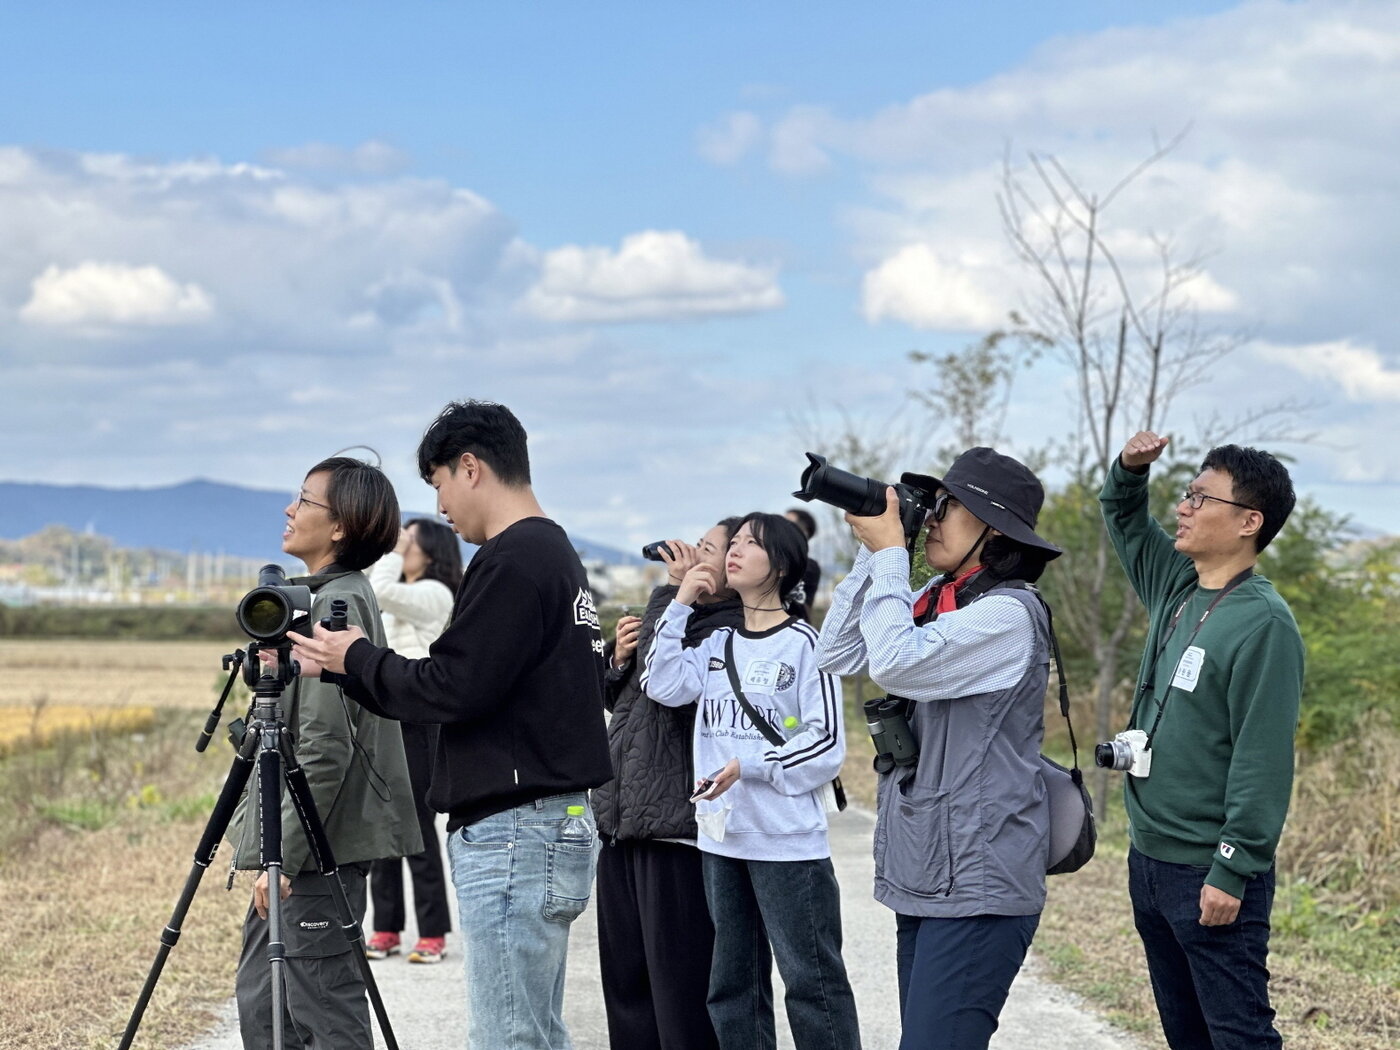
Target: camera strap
(1150,682)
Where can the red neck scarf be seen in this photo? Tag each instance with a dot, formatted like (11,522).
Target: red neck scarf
(947,594)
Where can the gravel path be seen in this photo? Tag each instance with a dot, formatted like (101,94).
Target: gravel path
(427,1003)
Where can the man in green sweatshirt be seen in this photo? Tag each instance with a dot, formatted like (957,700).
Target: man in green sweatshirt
(1218,694)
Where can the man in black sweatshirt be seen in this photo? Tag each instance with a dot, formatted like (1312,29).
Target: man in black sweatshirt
(515,684)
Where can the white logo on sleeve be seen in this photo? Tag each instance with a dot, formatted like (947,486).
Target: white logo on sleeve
(1226,850)
(585,612)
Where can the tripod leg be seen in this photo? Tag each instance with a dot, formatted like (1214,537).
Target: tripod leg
(270,825)
(203,857)
(305,804)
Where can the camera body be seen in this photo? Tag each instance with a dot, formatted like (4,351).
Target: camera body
(863,497)
(1127,753)
(274,607)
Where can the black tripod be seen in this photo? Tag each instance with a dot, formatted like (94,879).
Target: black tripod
(267,742)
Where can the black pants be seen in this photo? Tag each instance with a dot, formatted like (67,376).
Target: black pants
(426,868)
(655,942)
(954,976)
(1211,983)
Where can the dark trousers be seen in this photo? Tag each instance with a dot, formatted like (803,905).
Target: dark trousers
(789,910)
(426,868)
(325,1005)
(1211,982)
(954,975)
(655,943)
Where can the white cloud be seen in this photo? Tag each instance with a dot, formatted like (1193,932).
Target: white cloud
(94,295)
(918,287)
(729,140)
(653,275)
(350,266)
(1359,371)
(368,158)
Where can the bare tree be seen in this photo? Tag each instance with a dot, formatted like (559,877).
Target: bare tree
(1133,340)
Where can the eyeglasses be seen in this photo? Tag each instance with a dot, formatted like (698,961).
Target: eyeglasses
(941,503)
(303,501)
(1198,500)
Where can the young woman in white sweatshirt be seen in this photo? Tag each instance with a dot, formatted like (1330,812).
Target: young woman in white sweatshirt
(769,882)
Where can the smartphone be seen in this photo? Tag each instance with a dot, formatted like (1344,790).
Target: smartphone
(705,785)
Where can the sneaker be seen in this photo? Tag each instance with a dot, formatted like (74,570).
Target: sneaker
(382,945)
(428,950)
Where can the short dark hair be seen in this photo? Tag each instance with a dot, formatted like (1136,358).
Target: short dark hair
(1008,559)
(361,501)
(1259,481)
(440,545)
(487,430)
(784,544)
(803,521)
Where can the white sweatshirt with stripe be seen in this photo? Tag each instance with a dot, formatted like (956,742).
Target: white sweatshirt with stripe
(778,812)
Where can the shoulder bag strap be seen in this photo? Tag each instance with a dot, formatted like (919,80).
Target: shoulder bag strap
(760,723)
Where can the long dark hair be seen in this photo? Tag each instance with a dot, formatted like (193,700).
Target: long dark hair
(786,548)
(439,544)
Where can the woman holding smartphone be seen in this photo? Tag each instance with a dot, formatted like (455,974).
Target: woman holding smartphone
(655,938)
(769,882)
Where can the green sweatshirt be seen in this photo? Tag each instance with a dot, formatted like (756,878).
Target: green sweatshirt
(1222,756)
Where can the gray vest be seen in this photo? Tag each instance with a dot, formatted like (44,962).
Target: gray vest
(965,831)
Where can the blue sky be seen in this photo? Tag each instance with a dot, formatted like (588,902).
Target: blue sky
(675,239)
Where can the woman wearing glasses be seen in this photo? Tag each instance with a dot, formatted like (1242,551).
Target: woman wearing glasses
(343,517)
(962,832)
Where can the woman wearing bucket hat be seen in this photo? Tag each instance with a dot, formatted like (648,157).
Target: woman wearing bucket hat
(962,832)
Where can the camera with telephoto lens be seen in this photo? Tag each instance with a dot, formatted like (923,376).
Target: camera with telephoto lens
(887,719)
(1127,753)
(274,607)
(863,497)
(652,551)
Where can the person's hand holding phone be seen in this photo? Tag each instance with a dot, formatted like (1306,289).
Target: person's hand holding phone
(718,782)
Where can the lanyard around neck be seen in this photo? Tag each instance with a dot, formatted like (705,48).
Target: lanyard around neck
(1150,682)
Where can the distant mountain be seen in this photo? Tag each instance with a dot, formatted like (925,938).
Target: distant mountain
(192,516)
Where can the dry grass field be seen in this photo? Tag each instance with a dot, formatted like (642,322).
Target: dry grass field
(110,673)
(97,837)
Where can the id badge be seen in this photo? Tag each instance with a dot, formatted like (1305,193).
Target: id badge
(1188,669)
(761,676)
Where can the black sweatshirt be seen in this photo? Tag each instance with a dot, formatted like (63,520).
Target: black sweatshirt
(514,680)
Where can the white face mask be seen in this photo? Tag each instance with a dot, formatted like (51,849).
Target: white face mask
(711,814)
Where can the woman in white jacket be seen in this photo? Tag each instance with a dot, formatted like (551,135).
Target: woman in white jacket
(415,586)
(769,883)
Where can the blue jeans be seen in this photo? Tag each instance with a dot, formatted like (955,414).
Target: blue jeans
(954,975)
(1211,982)
(794,905)
(519,887)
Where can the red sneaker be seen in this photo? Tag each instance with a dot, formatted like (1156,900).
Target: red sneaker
(428,950)
(382,945)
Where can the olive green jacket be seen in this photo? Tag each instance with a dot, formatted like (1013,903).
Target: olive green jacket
(354,760)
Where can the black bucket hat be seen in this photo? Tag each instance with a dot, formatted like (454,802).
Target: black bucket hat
(998,490)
